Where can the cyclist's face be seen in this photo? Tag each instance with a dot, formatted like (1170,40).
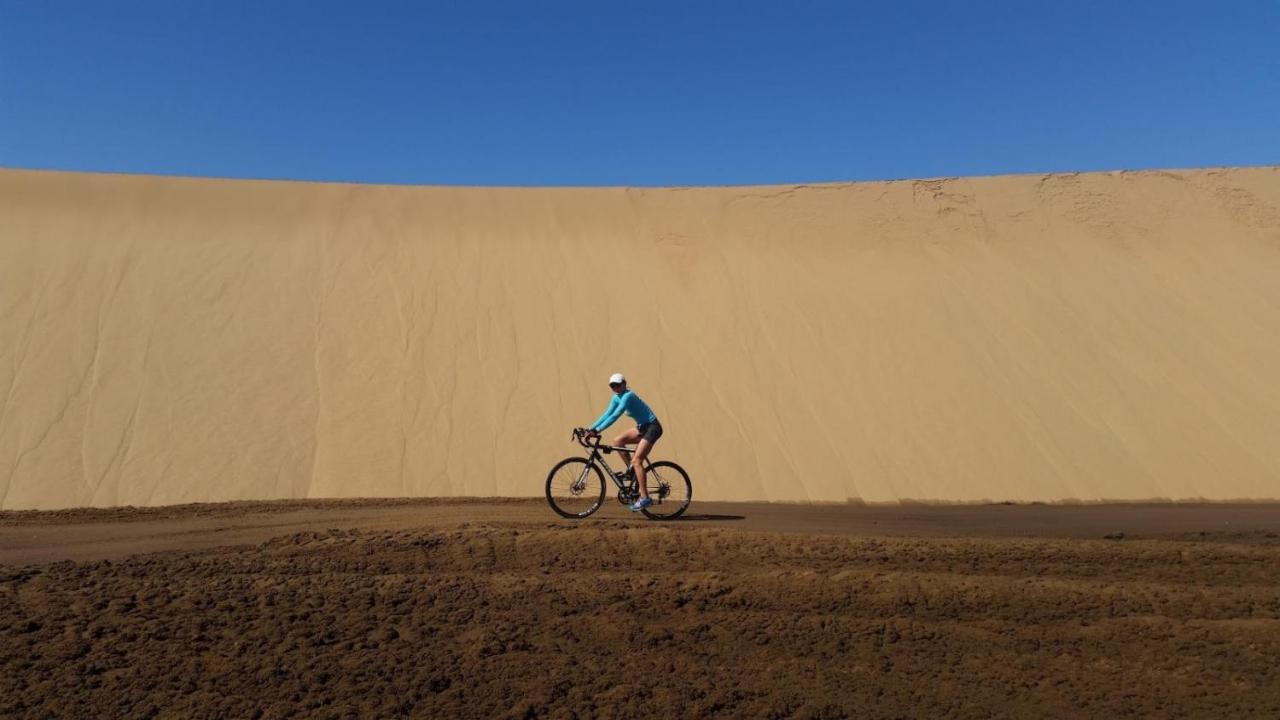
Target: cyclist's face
(618,387)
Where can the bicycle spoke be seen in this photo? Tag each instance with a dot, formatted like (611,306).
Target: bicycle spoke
(669,488)
(581,482)
(655,484)
(575,489)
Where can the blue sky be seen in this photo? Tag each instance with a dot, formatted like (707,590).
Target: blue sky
(635,93)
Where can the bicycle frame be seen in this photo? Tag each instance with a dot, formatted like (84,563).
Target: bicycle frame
(596,457)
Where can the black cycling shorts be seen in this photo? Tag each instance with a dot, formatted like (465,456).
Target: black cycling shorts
(650,431)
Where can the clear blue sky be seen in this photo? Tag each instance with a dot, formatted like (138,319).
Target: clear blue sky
(635,93)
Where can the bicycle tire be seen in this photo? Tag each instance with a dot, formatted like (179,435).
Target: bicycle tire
(663,470)
(557,487)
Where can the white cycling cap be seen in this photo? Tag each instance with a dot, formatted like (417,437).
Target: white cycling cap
(616,378)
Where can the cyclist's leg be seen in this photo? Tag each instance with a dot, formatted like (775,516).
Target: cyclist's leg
(628,437)
(642,452)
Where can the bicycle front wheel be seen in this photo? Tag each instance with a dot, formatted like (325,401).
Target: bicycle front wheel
(575,488)
(670,489)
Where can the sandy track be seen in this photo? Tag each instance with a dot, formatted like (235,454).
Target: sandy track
(504,617)
(112,533)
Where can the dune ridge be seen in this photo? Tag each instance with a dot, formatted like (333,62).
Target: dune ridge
(1066,337)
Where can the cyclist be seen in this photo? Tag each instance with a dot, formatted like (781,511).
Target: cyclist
(644,435)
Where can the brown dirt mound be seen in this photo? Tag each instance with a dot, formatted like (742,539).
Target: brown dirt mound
(614,620)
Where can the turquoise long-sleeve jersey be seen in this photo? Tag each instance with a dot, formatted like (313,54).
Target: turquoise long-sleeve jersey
(627,402)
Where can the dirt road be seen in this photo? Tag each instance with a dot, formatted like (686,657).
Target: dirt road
(102,534)
(497,609)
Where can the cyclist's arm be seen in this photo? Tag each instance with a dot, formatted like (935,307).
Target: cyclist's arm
(611,414)
(612,401)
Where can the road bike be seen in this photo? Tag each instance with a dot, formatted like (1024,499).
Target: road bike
(575,486)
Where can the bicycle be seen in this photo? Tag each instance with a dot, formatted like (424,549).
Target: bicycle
(576,489)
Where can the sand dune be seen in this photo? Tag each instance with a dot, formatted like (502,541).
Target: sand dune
(1062,337)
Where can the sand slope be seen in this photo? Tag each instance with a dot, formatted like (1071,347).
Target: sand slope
(1097,336)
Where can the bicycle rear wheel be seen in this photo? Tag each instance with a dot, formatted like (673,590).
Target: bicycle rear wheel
(575,488)
(670,489)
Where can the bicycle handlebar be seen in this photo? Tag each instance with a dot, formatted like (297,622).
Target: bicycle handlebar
(580,435)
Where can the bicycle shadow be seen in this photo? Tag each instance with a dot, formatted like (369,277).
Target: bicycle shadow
(703,517)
